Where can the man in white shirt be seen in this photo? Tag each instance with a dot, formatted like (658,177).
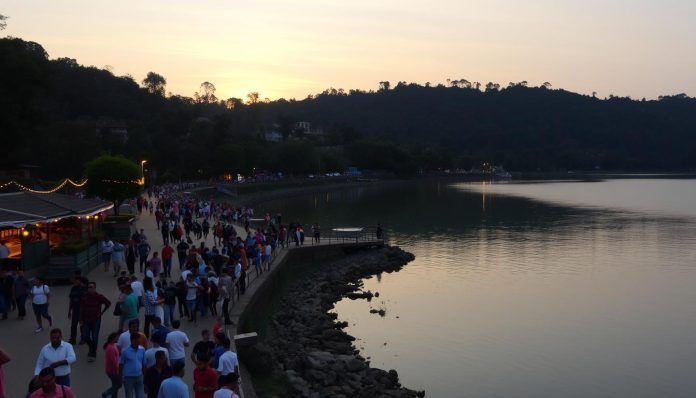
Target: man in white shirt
(58,355)
(156,340)
(228,362)
(176,342)
(123,341)
(138,289)
(107,247)
(228,385)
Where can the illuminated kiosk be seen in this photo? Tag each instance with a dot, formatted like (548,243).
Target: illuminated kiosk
(51,234)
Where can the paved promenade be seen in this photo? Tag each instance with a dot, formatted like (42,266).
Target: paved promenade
(88,379)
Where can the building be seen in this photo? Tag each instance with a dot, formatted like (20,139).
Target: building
(33,225)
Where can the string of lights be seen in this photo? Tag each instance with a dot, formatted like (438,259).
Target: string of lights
(63,184)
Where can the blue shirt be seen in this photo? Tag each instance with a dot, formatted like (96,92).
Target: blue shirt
(217,351)
(173,387)
(132,361)
(162,331)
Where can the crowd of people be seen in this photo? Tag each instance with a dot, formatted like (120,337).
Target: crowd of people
(146,355)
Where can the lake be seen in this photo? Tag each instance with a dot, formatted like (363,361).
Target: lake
(527,289)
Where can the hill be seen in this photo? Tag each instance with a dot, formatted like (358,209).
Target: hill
(57,114)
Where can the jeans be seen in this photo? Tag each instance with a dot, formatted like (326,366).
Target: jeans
(169,310)
(21,305)
(226,310)
(74,321)
(148,322)
(191,304)
(134,386)
(112,392)
(91,334)
(168,268)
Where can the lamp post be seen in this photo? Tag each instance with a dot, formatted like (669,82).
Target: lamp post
(142,170)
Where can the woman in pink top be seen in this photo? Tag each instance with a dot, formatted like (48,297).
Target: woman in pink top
(111,364)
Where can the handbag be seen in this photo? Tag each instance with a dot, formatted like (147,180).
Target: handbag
(117,310)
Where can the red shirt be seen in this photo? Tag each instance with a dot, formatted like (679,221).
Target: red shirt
(205,378)
(111,361)
(167,253)
(91,306)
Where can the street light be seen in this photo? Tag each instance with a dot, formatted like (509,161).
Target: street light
(142,170)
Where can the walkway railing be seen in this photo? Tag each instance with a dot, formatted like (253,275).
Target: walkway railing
(327,236)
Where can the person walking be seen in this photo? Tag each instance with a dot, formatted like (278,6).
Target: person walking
(151,353)
(192,289)
(143,251)
(92,307)
(50,387)
(155,264)
(107,248)
(228,362)
(77,291)
(167,256)
(229,385)
(125,337)
(226,290)
(112,360)
(57,355)
(174,387)
(176,342)
(131,369)
(118,257)
(170,293)
(131,255)
(182,253)
(156,374)
(205,380)
(40,297)
(151,301)
(21,289)
(130,304)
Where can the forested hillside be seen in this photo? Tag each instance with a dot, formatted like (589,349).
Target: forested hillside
(57,114)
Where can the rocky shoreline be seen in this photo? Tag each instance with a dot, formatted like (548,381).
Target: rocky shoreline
(306,344)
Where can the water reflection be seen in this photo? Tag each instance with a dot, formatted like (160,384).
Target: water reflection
(543,294)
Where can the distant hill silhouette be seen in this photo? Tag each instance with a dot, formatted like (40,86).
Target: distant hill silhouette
(58,114)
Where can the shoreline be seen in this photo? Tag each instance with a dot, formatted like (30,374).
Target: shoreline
(307,347)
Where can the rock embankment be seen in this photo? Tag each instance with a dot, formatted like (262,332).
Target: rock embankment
(308,345)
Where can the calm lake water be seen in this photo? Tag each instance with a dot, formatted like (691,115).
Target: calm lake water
(531,289)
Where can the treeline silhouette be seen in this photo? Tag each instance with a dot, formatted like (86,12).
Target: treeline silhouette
(57,114)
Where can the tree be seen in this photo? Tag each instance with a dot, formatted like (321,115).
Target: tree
(207,94)
(232,103)
(384,86)
(253,98)
(155,83)
(3,24)
(286,125)
(546,85)
(113,178)
(490,87)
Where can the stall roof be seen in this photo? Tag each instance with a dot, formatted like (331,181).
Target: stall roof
(20,208)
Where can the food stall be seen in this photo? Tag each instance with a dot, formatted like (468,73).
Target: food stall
(36,227)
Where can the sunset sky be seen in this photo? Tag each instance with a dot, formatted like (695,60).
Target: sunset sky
(291,48)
